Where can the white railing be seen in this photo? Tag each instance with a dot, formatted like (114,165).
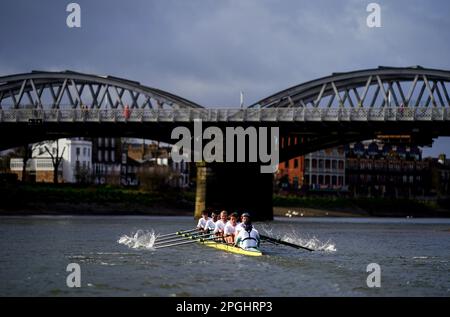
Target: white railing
(228,115)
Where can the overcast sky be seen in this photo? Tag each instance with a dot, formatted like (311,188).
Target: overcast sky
(209,50)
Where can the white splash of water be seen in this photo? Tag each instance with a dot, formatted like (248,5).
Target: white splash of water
(311,243)
(308,242)
(139,240)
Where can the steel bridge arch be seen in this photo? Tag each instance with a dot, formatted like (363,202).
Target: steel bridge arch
(351,89)
(26,91)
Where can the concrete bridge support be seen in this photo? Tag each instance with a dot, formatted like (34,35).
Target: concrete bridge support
(235,187)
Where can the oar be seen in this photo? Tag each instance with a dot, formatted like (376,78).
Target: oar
(181,235)
(184,242)
(178,236)
(181,238)
(285,243)
(175,233)
(272,242)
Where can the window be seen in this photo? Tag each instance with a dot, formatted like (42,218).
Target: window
(113,142)
(320,179)
(286,164)
(314,179)
(84,151)
(320,163)
(341,180)
(296,163)
(106,142)
(113,156)
(106,156)
(334,180)
(334,164)
(328,164)
(99,142)
(327,180)
(77,151)
(314,163)
(89,151)
(341,165)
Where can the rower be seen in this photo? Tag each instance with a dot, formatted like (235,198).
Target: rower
(230,227)
(211,223)
(201,226)
(238,227)
(220,224)
(247,238)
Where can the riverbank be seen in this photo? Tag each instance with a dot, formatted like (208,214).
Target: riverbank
(70,199)
(293,206)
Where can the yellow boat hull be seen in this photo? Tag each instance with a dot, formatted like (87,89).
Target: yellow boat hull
(230,248)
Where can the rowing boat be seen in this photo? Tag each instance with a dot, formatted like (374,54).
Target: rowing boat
(226,247)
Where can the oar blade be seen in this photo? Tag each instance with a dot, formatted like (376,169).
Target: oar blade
(285,243)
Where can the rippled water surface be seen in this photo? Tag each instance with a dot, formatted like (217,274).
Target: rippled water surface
(414,256)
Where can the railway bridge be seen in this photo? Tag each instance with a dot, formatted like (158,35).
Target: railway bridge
(338,109)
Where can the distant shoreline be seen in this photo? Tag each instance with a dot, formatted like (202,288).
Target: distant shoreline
(63,209)
(48,199)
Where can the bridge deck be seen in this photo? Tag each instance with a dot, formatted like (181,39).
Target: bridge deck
(229,115)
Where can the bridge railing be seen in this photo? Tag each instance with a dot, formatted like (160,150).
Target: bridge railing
(310,114)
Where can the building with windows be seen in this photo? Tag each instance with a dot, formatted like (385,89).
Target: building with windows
(106,160)
(325,169)
(181,174)
(290,174)
(440,176)
(380,169)
(75,165)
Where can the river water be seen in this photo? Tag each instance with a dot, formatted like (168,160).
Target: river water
(413,255)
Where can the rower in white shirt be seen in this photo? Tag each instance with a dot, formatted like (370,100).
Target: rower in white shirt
(238,227)
(248,238)
(230,227)
(211,223)
(203,220)
(220,224)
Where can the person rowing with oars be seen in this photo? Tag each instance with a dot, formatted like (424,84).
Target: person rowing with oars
(239,226)
(211,223)
(230,227)
(220,224)
(201,226)
(248,237)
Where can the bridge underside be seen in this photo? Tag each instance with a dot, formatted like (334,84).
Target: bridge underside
(234,187)
(296,138)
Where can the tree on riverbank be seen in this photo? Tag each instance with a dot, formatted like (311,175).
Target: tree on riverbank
(56,158)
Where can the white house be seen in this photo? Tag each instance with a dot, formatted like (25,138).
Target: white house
(76,156)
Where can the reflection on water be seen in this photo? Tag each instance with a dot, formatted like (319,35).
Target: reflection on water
(35,251)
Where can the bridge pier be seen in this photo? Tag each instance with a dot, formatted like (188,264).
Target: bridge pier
(234,187)
(200,193)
